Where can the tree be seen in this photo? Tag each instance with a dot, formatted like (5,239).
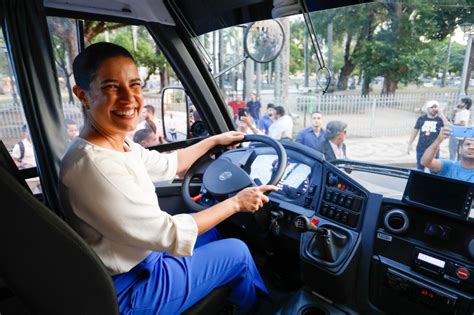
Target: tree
(403,47)
(147,54)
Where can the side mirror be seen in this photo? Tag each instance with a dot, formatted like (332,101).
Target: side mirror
(175,114)
(263,42)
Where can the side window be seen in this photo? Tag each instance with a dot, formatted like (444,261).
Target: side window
(155,72)
(14,131)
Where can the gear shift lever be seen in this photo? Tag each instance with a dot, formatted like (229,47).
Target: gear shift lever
(327,243)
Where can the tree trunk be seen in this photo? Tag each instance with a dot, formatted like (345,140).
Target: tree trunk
(306,58)
(249,77)
(389,86)
(221,58)
(469,68)
(283,72)
(163,78)
(348,67)
(366,84)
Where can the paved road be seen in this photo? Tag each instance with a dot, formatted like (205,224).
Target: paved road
(386,150)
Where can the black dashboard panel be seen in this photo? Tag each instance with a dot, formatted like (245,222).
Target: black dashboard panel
(394,255)
(428,263)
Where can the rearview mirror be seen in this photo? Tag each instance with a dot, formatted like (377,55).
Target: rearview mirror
(263,42)
(175,114)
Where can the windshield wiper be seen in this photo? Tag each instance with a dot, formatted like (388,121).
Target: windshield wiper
(372,168)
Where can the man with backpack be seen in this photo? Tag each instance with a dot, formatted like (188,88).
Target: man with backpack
(23,153)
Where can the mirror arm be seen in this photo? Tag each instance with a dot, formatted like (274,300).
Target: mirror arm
(231,66)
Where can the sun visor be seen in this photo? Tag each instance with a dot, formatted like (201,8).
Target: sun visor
(285,8)
(144,10)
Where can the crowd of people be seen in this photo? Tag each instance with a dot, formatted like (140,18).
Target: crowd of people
(433,128)
(277,124)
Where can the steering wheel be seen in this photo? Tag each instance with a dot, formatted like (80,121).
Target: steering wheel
(223,179)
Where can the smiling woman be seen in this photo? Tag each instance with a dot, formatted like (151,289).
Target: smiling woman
(111,96)
(107,192)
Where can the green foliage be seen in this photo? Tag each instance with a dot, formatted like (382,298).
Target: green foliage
(399,40)
(146,53)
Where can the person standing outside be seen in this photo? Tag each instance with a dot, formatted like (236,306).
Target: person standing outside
(148,114)
(71,129)
(428,126)
(266,120)
(254,107)
(462,169)
(282,127)
(460,118)
(313,135)
(333,147)
(236,105)
(23,153)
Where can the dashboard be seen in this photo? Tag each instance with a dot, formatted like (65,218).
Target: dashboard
(295,180)
(394,255)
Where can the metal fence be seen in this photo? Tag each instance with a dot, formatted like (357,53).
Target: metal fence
(372,116)
(366,116)
(12,118)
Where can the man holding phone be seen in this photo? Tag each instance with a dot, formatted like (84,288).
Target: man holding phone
(462,169)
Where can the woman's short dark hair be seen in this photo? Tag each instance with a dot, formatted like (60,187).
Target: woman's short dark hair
(85,64)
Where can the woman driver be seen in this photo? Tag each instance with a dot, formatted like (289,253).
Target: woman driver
(157,261)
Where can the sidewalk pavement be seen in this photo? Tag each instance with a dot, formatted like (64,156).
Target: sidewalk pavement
(390,150)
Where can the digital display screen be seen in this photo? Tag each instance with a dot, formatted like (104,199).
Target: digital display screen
(437,192)
(431,260)
(263,166)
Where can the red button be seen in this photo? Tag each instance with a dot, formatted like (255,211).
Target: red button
(462,273)
(315,221)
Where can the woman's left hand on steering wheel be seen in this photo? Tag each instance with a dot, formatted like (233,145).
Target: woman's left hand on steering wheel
(230,138)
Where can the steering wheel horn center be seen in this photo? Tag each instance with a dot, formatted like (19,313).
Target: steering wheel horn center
(223,178)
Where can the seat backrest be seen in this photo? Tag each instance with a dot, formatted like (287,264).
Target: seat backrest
(44,262)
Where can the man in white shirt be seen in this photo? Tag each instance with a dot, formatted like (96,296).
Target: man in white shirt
(23,153)
(333,147)
(460,118)
(282,127)
(148,113)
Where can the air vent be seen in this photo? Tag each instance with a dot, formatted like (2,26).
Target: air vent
(396,221)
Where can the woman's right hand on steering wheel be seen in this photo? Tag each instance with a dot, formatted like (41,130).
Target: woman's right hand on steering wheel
(251,199)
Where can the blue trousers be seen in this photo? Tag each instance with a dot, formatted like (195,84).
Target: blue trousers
(165,284)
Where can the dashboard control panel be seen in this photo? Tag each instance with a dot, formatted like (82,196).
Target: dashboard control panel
(342,202)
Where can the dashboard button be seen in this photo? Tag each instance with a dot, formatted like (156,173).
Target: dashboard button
(331,212)
(348,202)
(345,217)
(324,209)
(342,200)
(338,215)
(335,197)
(356,204)
(328,196)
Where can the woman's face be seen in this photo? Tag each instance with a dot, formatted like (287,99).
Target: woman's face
(115,98)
